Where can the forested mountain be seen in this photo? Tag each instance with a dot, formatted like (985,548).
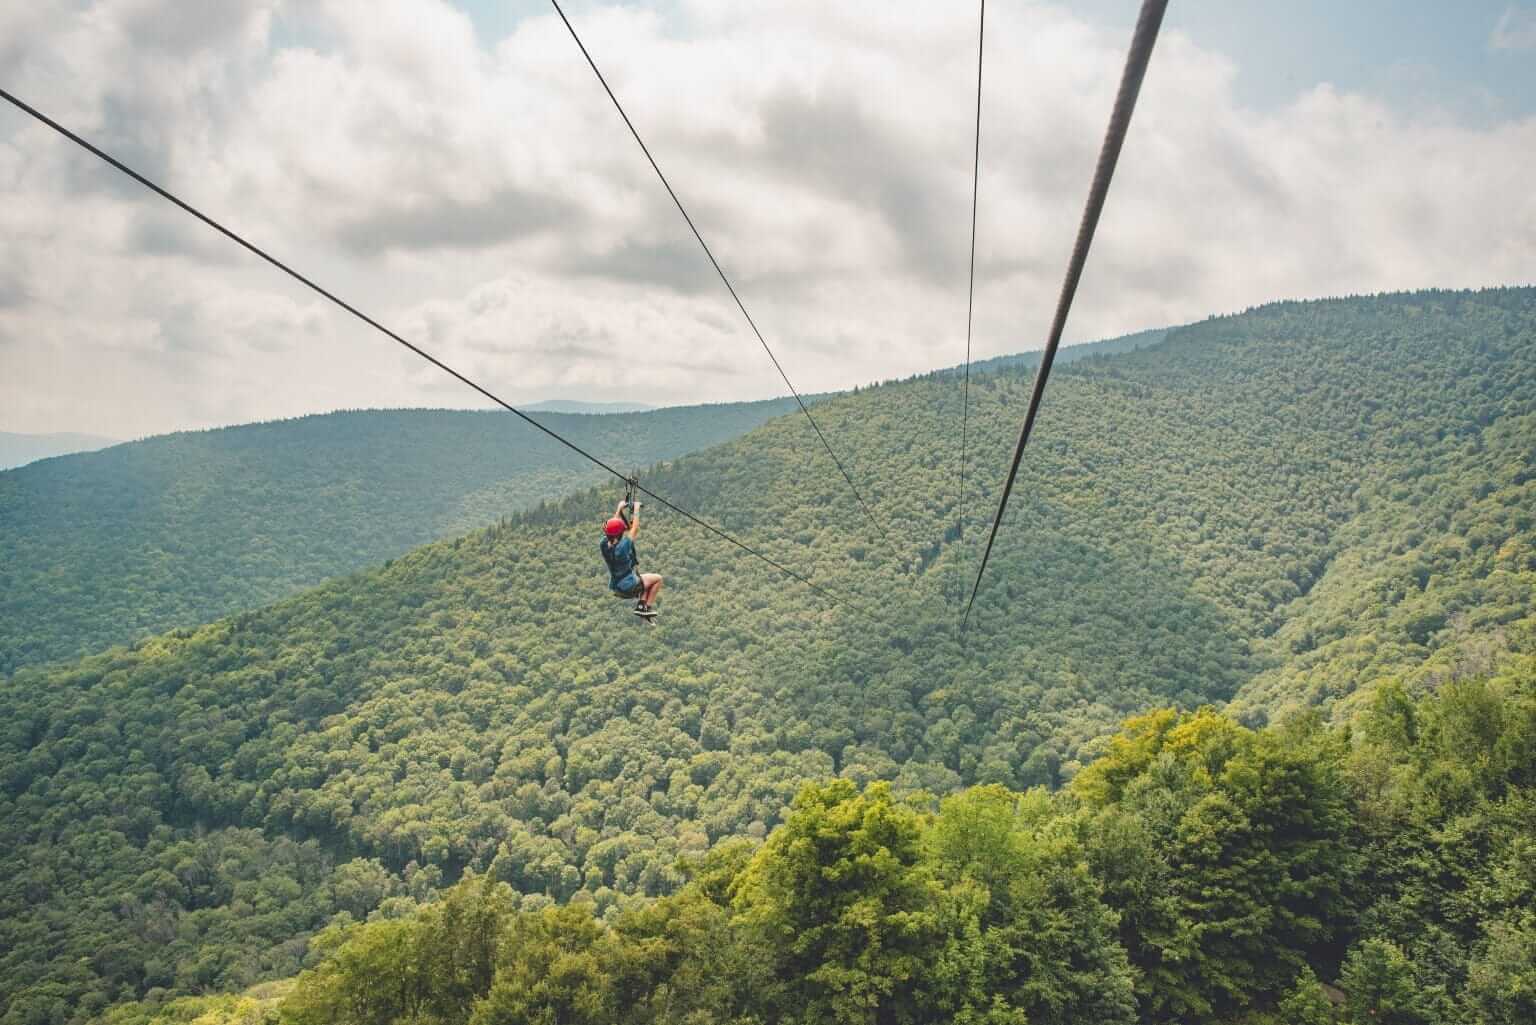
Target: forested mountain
(180,529)
(20,449)
(1324,504)
(177,530)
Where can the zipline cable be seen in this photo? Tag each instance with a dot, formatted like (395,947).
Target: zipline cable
(716,264)
(970,297)
(360,315)
(1136,61)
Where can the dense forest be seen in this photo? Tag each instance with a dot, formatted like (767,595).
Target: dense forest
(1198,872)
(104,548)
(1316,512)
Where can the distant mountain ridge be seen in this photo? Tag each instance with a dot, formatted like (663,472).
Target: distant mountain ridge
(18,449)
(1068,354)
(588,408)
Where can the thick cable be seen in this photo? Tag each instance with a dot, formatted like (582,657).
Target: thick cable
(970,296)
(365,318)
(716,264)
(1136,61)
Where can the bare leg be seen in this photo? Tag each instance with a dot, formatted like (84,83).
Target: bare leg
(652,582)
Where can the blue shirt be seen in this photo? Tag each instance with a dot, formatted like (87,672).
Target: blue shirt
(621,560)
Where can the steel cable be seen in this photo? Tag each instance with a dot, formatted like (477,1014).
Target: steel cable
(970,297)
(1136,61)
(365,318)
(716,264)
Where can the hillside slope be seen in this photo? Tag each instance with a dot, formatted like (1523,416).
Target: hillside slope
(103,548)
(181,529)
(182,814)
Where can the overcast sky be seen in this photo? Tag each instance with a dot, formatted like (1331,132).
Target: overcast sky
(457,171)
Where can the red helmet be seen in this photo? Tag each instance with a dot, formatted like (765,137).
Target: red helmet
(614,527)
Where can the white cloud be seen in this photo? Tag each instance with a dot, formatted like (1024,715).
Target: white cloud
(1516,30)
(491,203)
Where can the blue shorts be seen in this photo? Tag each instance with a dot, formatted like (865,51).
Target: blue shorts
(630,586)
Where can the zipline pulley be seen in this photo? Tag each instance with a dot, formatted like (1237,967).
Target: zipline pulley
(627,511)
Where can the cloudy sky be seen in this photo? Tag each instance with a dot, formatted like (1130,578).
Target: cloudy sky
(456,170)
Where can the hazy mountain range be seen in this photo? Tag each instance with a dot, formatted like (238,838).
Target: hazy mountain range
(20,449)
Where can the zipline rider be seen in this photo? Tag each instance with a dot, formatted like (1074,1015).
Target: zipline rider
(618,548)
